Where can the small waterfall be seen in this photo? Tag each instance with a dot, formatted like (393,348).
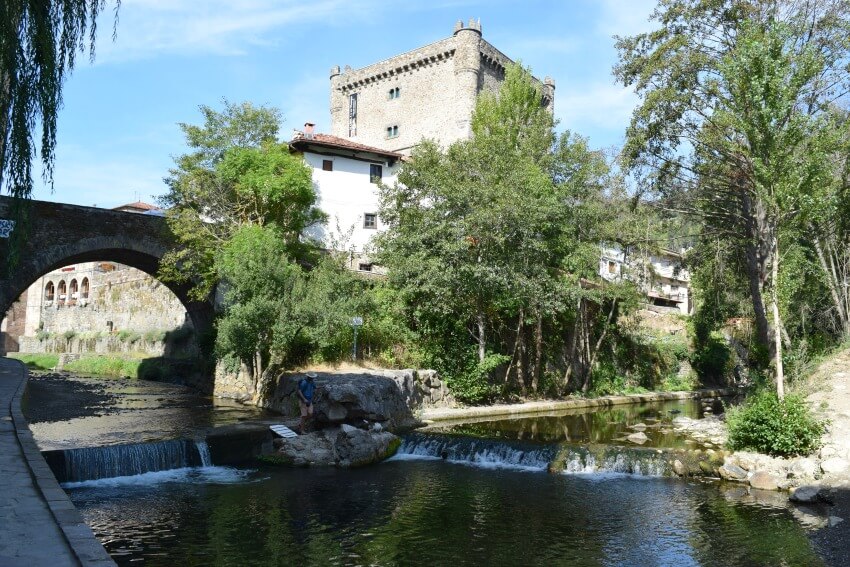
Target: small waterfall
(570,459)
(482,452)
(204,453)
(92,463)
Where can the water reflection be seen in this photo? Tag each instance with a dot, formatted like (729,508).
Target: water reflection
(586,425)
(432,513)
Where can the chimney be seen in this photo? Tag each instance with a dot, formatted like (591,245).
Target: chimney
(308,130)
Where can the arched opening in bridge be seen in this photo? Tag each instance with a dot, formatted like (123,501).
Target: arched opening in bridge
(99,307)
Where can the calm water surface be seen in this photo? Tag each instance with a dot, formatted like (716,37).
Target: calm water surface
(411,510)
(430,512)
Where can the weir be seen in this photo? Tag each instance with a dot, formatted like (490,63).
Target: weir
(566,458)
(93,463)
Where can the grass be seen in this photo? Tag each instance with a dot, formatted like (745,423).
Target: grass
(39,361)
(105,366)
(94,365)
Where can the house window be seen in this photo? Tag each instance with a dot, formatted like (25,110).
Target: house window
(49,291)
(392,131)
(612,267)
(394,93)
(376,172)
(62,289)
(364,267)
(327,165)
(370,220)
(84,289)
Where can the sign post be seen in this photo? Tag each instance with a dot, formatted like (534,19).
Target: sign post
(356,323)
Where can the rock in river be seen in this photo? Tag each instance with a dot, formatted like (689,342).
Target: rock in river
(347,398)
(764,481)
(640,438)
(343,447)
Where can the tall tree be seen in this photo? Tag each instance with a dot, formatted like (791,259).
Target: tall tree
(238,175)
(39,41)
(487,240)
(735,106)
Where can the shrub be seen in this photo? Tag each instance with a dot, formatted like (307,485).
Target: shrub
(127,336)
(768,425)
(69,334)
(42,335)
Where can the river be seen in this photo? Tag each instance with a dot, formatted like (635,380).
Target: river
(481,497)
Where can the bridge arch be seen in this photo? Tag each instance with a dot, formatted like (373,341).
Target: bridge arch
(88,235)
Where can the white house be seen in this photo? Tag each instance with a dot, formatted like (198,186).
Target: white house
(661,276)
(345,177)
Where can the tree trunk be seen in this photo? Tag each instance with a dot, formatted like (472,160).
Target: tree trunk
(482,337)
(538,352)
(755,267)
(834,283)
(777,322)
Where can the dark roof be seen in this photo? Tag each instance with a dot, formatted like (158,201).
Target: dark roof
(301,141)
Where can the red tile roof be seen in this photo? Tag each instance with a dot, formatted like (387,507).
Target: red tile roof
(329,141)
(138,205)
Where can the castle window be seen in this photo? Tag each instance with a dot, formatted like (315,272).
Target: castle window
(49,291)
(612,267)
(392,131)
(376,172)
(84,288)
(394,93)
(327,165)
(74,289)
(352,115)
(62,292)
(370,220)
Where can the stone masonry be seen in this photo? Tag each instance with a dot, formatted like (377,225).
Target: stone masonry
(429,92)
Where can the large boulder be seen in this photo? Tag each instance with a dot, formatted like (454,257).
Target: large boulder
(347,398)
(342,446)
(764,481)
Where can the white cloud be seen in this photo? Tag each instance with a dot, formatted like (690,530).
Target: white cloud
(625,17)
(147,28)
(602,107)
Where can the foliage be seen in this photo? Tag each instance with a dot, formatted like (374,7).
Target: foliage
(38,361)
(237,175)
(43,335)
(777,427)
(39,42)
(736,124)
(69,334)
(488,242)
(103,365)
(128,336)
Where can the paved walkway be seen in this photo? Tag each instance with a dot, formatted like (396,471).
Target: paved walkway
(39,526)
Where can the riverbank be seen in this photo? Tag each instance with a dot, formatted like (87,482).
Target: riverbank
(506,410)
(830,397)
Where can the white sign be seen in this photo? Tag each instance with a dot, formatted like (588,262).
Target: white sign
(6,227)
(357,321)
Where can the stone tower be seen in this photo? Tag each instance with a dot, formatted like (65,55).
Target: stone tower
(429,92)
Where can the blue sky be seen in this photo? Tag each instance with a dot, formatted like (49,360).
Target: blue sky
(118,128)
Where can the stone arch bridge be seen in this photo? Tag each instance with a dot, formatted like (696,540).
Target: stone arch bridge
(57,235)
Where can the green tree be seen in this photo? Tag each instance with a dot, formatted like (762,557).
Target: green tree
(39,41)
(237,176)
(488,240)
(734,112)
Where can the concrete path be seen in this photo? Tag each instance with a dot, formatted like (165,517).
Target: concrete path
(452,414)
(39,526)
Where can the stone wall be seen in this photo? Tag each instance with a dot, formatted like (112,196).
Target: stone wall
(97,345)
(438,83)
(421,389)
(126,297)
(12,326)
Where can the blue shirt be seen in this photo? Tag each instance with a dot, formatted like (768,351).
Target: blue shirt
(307,387)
